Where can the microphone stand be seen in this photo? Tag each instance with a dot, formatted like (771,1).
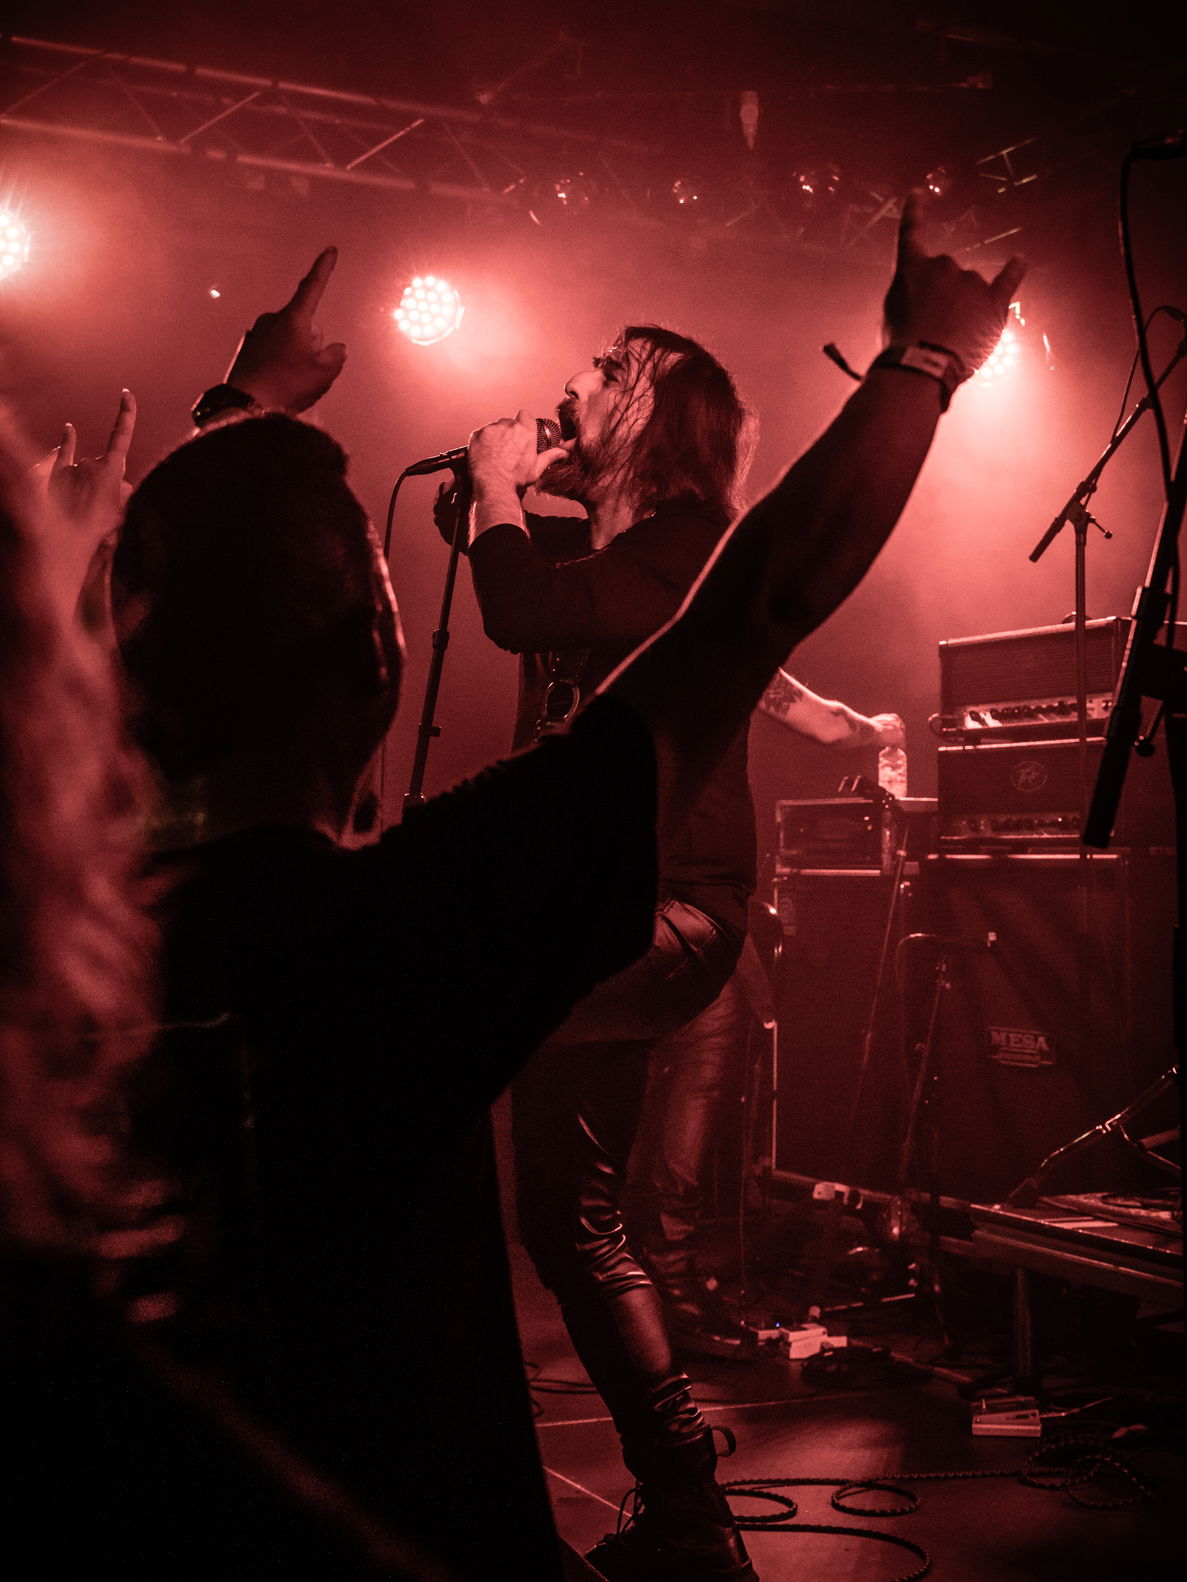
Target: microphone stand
(428,728)
(1152,670)
(1076,512)
(1148,670)
(1025,1194)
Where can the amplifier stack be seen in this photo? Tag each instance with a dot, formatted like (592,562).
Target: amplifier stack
(1012,773)
(1045,1033)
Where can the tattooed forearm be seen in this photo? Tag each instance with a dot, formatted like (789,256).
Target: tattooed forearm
(782,694)
(823,719)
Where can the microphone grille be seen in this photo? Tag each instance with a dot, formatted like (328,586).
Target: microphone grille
(548,434)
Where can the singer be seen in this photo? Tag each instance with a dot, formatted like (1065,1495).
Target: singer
(654,436)
(655,440)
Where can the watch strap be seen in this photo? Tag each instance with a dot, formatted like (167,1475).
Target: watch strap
(922,357)
(221,398)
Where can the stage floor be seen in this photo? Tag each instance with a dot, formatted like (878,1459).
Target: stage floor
(906,1414)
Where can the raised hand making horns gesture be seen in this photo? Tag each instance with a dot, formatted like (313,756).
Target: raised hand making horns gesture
(932,301)
(82,502)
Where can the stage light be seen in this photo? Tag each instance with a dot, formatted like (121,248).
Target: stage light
(816,183)
(429,310)
(14,243)
(687,196)
(1004,356)
(562,198)
(940,181)
(575,192)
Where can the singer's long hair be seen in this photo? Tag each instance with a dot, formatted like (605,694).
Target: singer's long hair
(694,445)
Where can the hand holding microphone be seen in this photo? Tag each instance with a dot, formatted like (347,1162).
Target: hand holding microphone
(505,458)
(548,434)
(514,452)
(493,452)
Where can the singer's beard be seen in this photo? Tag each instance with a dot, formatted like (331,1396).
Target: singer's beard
(587,474)
(570,479)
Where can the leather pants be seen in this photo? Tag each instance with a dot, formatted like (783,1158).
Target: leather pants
(575,1111)
(697,1074)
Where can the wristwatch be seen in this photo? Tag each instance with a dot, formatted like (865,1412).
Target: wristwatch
(221,398)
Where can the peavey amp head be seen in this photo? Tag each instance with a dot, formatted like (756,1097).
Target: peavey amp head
(1028,796)
(1022,685)
(1010,776)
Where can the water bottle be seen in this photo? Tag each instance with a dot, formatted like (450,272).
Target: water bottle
(892,771)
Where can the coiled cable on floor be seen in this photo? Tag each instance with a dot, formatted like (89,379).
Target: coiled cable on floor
(781,1520)
(1069,1462)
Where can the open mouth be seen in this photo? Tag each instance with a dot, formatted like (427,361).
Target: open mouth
(564,416)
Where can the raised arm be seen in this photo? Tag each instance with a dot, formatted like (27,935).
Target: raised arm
(790,561)
(80,506)
(825,720)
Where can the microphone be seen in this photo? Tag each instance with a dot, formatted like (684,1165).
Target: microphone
(548,434)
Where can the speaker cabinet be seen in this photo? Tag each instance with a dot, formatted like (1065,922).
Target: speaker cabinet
(1062,1024)
(828,1122)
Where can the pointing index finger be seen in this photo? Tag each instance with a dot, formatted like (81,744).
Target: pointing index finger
(121,433)
(910,230)
(304,300)
(63,457)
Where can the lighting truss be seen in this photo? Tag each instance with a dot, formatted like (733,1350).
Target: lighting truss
(471,155)
(474,154)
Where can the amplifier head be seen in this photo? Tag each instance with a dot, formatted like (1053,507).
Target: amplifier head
(852,832)
(1021,686)
(1011,671)
(1030,794)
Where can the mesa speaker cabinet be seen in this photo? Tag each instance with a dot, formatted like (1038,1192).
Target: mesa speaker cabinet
(1057,1027)
(828,1124)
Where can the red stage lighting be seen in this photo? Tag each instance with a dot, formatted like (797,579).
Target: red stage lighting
(575,192)
(429,310)
(14,243)
(815,184)
(1004,356)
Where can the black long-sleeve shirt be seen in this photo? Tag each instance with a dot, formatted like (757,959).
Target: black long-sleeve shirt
(577,613)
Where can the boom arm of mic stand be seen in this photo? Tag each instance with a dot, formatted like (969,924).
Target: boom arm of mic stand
(1076,505)
(1076,509)
(1025,1192)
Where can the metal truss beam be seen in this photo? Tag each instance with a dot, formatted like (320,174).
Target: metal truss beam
(472,154)
(164,107)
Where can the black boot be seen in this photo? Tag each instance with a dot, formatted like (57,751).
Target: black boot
(681,1528)
(700,1321)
